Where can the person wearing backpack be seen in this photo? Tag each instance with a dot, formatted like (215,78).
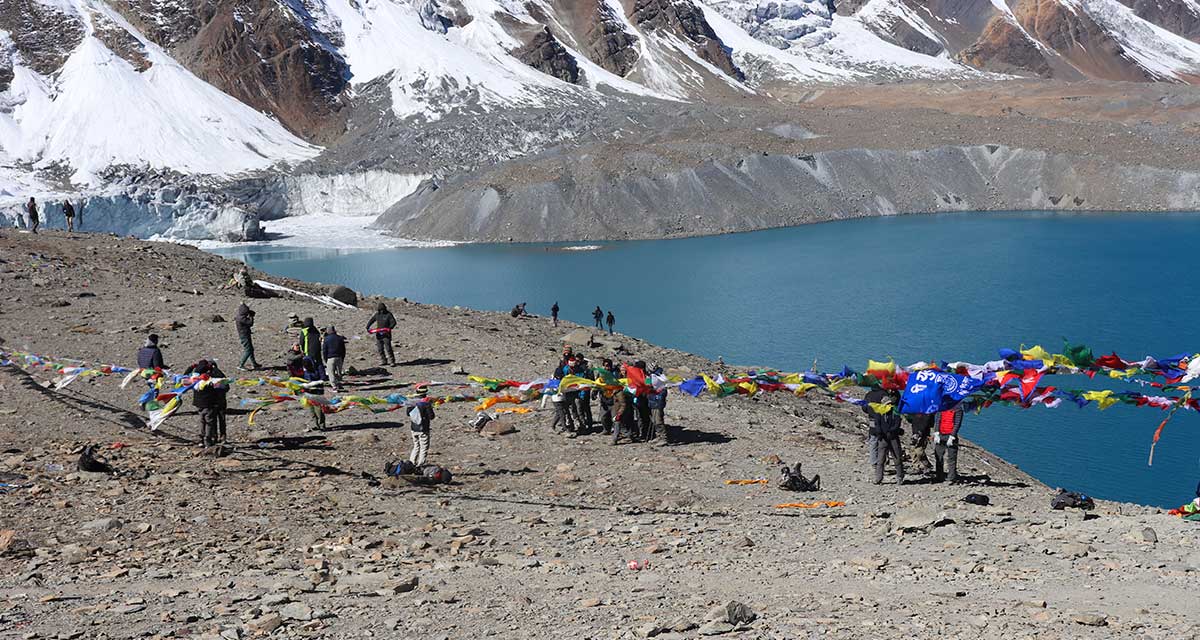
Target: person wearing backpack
(945,444)
(598,316)
(421,421)
(554,313)
(884,432)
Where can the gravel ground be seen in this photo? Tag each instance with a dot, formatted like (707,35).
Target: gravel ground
(304,538)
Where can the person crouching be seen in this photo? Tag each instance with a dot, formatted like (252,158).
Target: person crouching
(421,418)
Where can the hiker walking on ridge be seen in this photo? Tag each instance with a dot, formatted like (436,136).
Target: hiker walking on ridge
(945,444)
(32,211)
(554,313)
(611,321)
(381,325)
(244,319)
(69,215)
(598,316)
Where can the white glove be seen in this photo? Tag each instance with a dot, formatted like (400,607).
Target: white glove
(950,441)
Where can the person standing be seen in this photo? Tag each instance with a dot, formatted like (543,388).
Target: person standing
(622,414)
(69,215)
(611,321)
(885,432)
(381,325)
(244,320)
(32,211)
(310,344)
(421,418)
(598,316)
(658,407)
(636,374)
(945,444)
(207,399)
(920,425)
(607,370)
(554,313)
(583,398)
(334,351)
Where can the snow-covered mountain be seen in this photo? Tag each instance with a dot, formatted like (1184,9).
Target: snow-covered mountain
(97,94)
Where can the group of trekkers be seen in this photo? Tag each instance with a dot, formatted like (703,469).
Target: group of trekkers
(597,316)
(316,356)
(69,214)
(636,412)
(884,438)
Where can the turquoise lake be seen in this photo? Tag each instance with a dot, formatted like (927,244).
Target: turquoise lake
(944,287)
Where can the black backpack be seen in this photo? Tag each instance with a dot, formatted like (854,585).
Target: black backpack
(1066,499)
(400,468)
(792,480)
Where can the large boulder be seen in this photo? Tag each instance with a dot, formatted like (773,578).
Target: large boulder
(345,295)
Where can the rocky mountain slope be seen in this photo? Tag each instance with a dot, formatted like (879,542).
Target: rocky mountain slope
(135,102)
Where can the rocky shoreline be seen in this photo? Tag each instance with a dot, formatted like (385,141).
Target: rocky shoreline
(297,533)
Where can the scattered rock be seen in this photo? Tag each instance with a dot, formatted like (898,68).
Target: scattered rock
(715,628)
(264,625)
(1149,535)
(103,524)
(870,563)
(215,318)
(405,586)
(344,295)
(296,611)
(1089,619)
(918,519)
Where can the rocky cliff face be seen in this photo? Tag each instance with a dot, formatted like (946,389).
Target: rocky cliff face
(267,54)
(546,54)
(607,42)
(1180,17)
(1076,37)
(1006,48)
(684,19)
(271,60)
(42,34)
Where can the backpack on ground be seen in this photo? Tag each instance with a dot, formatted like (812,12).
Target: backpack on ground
(435,474)
(400,468)
(1066,499)
(791,479)
(977,499)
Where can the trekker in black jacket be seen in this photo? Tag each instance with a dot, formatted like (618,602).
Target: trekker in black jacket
(333,349)
(381,325)
(244,319)
(150,356)
(209,398)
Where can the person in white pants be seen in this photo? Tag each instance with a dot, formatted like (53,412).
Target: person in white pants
(421,419)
